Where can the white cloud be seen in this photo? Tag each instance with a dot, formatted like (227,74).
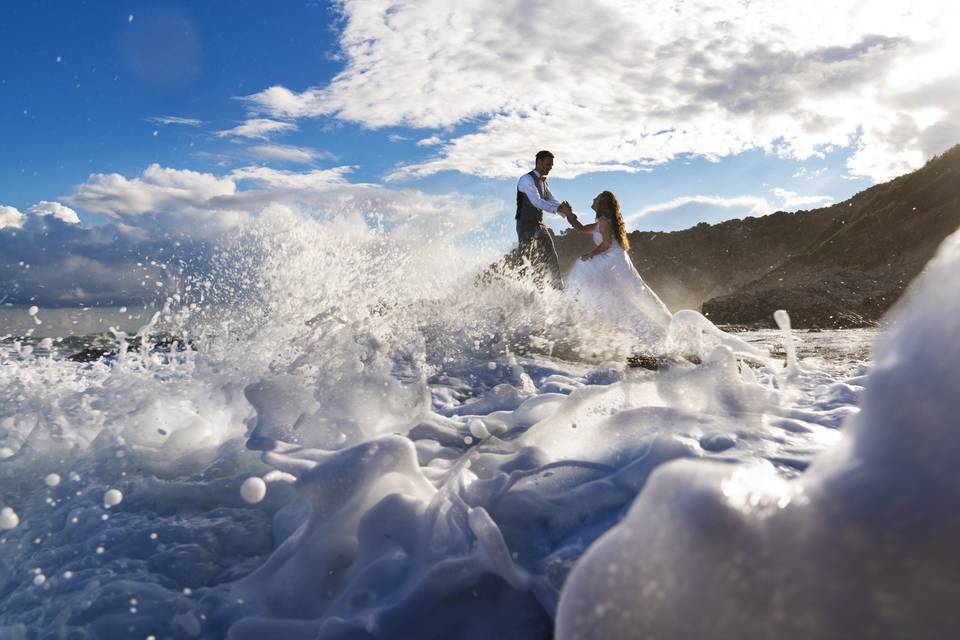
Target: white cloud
(280,102)
(809,174)
(176,195)
(277,179)
(643,82)
(166,199)
(394,137)
(187,122)
(745,205)
(752,205)
(286,153)
(55,209)
(791,201)
(432,141)
(10,217)
(258,129)
(185,215)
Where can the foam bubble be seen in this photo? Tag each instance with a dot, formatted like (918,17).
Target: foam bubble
(8,518)
(253,490)
(478,429)
(112,498)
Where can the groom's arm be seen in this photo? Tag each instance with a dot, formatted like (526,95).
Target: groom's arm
(548,196)
(530,190)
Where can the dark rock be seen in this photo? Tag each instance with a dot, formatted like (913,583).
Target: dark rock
(644,362)
(91,354)
(654,363)
(159,344)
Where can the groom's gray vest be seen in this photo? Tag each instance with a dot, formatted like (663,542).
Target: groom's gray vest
(526,212)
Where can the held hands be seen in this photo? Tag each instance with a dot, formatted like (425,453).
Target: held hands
(567,211)
(586,257)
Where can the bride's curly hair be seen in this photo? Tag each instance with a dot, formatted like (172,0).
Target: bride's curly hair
(609,208)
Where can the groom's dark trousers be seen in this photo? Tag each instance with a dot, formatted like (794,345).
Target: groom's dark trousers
(536,244)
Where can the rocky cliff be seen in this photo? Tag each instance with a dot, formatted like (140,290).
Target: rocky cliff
(838,266)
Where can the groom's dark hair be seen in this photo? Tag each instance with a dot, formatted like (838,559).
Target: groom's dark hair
(543,154)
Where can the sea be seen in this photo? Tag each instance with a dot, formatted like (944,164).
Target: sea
(337,437)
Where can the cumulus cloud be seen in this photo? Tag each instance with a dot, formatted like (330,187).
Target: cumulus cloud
(157,190)
(53,263)
(13,218)
(638,83)
(187,122)
(257,129)
(791,200)
(10,217)
(55,209)
(163,198)
(179,217)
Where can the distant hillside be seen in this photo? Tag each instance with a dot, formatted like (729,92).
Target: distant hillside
(837,266)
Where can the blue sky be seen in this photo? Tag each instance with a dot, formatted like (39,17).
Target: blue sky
(90,111)
(129,113)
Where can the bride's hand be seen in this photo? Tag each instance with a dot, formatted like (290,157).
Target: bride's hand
(585,257)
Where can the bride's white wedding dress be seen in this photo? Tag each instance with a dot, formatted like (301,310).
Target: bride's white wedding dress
(609,287)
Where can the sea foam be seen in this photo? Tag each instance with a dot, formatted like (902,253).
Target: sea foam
(862,544)
(436,450)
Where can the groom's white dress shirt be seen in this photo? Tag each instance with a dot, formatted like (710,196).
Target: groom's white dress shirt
(527,186)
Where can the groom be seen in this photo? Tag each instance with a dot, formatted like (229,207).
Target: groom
(533,198)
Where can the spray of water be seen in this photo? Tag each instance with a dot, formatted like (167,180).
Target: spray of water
(388,385)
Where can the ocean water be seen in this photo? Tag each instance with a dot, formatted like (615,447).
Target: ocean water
(18,322)
(354,436)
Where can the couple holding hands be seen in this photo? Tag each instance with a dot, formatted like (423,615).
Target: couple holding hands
(604,278)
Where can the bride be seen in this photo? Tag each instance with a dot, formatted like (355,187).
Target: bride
(606,285)
(605,281)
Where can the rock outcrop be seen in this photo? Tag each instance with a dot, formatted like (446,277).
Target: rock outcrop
(837,266)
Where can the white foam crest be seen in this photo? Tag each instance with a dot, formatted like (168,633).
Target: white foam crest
(347,322)
(394,529)
(428,461)
(864,540)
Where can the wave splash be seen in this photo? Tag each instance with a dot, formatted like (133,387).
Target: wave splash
(438,451)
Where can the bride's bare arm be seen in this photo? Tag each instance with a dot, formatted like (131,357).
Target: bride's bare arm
(585,228)
(579,226)
(606,235)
